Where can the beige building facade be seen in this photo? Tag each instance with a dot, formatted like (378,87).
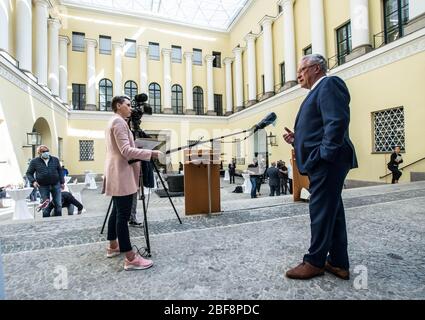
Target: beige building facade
(60,66)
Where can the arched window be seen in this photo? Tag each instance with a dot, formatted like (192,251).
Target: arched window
(177,99)
(155,97)
(130,89)
(198,100)
(105,95)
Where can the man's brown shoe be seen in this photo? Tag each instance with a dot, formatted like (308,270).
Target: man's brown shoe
(338,272)
(305,271)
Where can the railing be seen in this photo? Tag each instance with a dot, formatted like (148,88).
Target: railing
(387,36)
(337,60)
(408,165)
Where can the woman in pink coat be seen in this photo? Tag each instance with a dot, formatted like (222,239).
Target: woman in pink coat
(122,181)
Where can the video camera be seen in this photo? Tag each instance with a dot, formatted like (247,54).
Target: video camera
(140,106)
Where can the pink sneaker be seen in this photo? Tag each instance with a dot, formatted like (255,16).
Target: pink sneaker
(138,263)
(110,253)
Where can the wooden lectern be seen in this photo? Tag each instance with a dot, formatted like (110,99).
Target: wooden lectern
(201,181)
(298,181)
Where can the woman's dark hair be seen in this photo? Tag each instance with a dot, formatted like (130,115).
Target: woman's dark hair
(116,100)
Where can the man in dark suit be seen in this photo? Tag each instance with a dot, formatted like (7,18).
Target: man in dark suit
(325,153)
(274,179)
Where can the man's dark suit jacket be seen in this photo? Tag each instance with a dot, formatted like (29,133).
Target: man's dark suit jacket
(273,174)
(321,127)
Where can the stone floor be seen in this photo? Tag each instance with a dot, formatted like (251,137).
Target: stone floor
(239,254)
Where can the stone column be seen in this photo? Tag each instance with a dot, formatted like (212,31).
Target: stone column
(189,83)
(317,22)
(166,55)
(359,14)
(24,34)
(252,72)
(289,44)
(54,26)
(229,90)
(267,22)
(63,68)
(238,78)
(41,16)
(210,85)
(118,88)
(416,16)
(91,45)
(5,13)
(143,65)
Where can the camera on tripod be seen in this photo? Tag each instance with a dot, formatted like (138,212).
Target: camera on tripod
(140,106)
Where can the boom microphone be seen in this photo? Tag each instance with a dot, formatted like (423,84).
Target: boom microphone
(269,119)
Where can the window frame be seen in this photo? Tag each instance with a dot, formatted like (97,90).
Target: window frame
(194,61)
(152,100)
(177,98)
(402,20)
(348,41)
(218,104)
(103,51)
(308,48)
(133,43)
(76,47)
(282,74)
(130,85)
(198,98)
(173,58)
(151,45)
(401,140)
(216,62)
(80,142)
(81,96)
(108,87)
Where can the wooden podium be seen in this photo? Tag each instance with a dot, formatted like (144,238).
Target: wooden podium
(298,181)
(201,181)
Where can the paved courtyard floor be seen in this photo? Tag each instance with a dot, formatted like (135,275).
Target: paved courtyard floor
(242,253)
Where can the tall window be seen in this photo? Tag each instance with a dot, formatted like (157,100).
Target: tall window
(263,83)
(60,148)
(105,45)
(218,104)
(105,95)
(282,74)
(217,60)
(176,54)
(78,96)
(198,100)
(307,50)
(197,57)
(153,51)
(78,41)
(396,15)
(343,39)
(86,150)
(130,48)
(130,88)
(155,97)
(388,130)
(177,99)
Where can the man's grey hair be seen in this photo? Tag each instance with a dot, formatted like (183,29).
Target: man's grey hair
(316,58)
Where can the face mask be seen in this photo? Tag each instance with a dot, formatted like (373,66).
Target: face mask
(45,155)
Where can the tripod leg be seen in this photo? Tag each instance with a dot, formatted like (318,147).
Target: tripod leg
(166,190)
(145,222)
(106,217)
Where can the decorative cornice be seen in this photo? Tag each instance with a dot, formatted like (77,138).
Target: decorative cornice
(54,23)
(209,58)
(142,48)
(228,60)
(266,19)
(250,37)
(18,78)
(166,51)
(90,42)
(238,50)
(64,39)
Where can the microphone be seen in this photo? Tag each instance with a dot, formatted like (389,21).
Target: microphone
(269,119)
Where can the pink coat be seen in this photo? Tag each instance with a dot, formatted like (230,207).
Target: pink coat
(121,178)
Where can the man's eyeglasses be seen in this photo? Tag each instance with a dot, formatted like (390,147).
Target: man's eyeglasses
(305,68)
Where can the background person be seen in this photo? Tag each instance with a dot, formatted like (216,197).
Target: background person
(395,160)
(122,181)
(48,178)
(274,180)
(69,202)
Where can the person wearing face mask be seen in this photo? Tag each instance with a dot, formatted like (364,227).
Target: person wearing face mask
(48,179)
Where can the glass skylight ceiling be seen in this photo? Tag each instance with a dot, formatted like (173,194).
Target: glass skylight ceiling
(211,14)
